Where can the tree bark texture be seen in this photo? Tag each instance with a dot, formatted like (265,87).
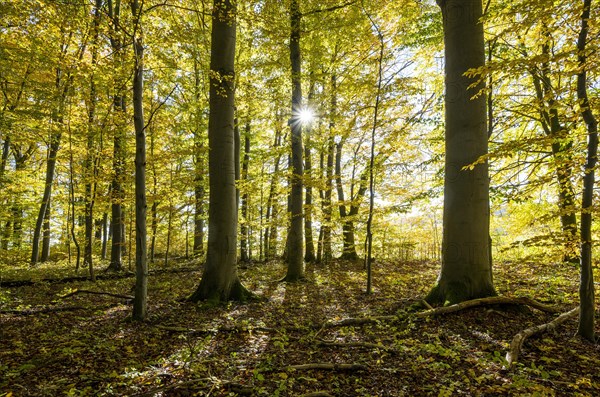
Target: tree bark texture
(586,326)
(141,261)
(295,249)
(466,269)
(220,281)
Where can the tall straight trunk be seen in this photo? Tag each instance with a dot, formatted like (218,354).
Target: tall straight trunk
(327,202)
(244,229)
(141,264)
(117,222)
(220,281)
(200,167)
(309,254)
(154,208)
(72,210)
(104,235)
(295,254)
(50,168)
(45,255)
(270,231)
(586,327)
(349,244)
(466,269)
(89,164)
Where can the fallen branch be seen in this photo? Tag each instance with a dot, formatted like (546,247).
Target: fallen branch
(328,367)
(316,394)
(493,300)
(354,321)
(106,276)
(322,342)
(27,312)
(85,291)
(515,346)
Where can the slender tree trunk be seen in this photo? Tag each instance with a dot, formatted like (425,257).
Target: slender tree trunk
(349,245)
(50,168)
(270,233)
(466,269)
(117,222)
(295,254)
(45,256)
(220,281)
(72,202)
(586,327)
(561,151)
(104,235)
(90,162)
(141,265)
(200,168)
(244,246)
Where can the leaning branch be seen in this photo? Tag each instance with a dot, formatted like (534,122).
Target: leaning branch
(515,347)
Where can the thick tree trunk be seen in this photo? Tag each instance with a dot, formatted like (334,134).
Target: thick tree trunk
(586,327)
(104,235)
(141,264)
(295,254)
(466,269)
(220,281)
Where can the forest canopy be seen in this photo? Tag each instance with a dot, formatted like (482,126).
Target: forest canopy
(136,134)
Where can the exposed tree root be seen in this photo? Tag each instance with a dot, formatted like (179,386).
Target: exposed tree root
(328,367)
(493,300)
(85,291)
(515,347)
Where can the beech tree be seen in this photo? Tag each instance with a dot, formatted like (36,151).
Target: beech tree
(220,281)
(295,251)
(466,268)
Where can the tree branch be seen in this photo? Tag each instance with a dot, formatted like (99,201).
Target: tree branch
(515,346)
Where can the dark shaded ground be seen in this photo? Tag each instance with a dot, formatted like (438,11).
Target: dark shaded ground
(235,349)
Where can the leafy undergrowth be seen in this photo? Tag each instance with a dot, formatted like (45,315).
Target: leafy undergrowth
(248,349)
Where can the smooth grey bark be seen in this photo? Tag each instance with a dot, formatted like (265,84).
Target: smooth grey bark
(220,280)
(244,229)
(89,163)
(50,169)
(348,215)
(199,167)
(466,271)
(140,300)
(270,232)
(117,222)
(295,249)
(154,208)
(309,252)
(73,230)
(586,326)
(45,254)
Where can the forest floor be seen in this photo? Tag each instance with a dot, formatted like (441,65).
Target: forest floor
(184,349)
